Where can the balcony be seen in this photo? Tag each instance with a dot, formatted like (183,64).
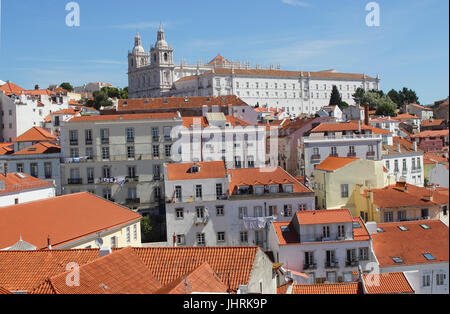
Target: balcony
(77,181)
(167,138)
(155,138)
(331,264)
(90,180)
(334,155)
(74,142)
(370,155)
(343,138)
(130,139)
(315,157)
(310,266)
(130,201)
(156,177)
(105,140)
(201,220)
(351,155)
(132,179)
(107,180)
(351,263)
(88,141)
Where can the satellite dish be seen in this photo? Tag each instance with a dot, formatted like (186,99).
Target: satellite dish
(99,242)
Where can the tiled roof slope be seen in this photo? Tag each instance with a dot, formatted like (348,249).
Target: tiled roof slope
(389,283)
(35,134)
(40,148)
(121,272)
(334,163)
(208,170)
(330,288)
(64,219)
(202,279)
(141,116)
(412,244)
(15,183)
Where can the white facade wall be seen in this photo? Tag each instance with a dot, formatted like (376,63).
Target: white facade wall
(388,125)
(412,176)
(25,196)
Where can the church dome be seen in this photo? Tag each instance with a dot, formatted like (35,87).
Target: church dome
(138,45)
(161,42)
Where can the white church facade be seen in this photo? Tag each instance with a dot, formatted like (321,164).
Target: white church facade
(154,74)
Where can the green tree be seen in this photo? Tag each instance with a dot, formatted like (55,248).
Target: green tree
(101,99)
(386,109)
(335,99)
(409,96)
(124,93)
(146,228)
(66,86)
(358,96)
(344,105)
(395,97)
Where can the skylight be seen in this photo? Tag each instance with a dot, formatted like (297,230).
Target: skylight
(356,225)
(397,260)
(285,229)
(380,229)
(429,256)
(424,226)
(403,228)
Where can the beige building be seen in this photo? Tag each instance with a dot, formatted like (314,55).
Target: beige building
(118,157)
(336,178)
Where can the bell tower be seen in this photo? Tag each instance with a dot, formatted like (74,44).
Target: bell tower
(137,58)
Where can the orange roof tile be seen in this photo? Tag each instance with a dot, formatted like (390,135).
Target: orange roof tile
(421,107)
(140,116)
(283,289)
(6,148)
(263,176)
(201,279)
(69,111)
(329,288)
(174,103)
(219,60)
(435,157)
(231,264)
(188,122)
(40,148)
(313,217)
(121,272)
(411,245)
(434,122)
(335,163)
(405,116)
(388,283)
(17,183)
(64,219)
(338,127)
(208,170)
(437,133)
(11,88)
(4,291)
(35,134)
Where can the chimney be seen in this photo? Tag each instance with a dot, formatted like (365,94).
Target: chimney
(399,148)
(366,114)
(371,227)
(359,127)
(49,246)
(104,250)
(415,146)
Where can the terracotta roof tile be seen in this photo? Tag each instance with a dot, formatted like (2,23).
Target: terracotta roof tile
(140,116)
(335,163)
(412,244)
(313,217)
(329,288)
(388,283)
(40,148)
(338,127)
(6,148)
(21,182)
(35,134)
(425,134)
(208,170)
(64,219)
(435,122)
(4,291)
(405,116)
(11,88)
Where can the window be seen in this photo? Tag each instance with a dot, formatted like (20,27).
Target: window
(201,239)
(105,152)
(243,237)
(242,212)
(181,240)
(130,152)
(178,194)
(388,217)
(315,151)
(179,213)
(198,191)
(352,150)
(156,172)
(287,212)
(220,210)
(106,172)
(200,212)
(341,231)
(155,134)
(344,190)
(309,258)
(48,170)
(251,162)
(34,171)
(257,211)
(156,151)
(73,135)
(388,165)
(130,135)
(168,149)
(425,214)
(397,260)
(396,166)
(429,256)
(220,236)
(128,235)
(351,255)
(104,134)
(167,130)
(132,193)
(20,168)
(440,279)
(74,153)
(113,241)
(302,207)
(404,166)
(331,276)
(157,193)
(326,231)
(89,153)
(426,280)
(219,190)
(90,175)
(135,232)
(333,151)
(107,194)
(88,137)
(364,254)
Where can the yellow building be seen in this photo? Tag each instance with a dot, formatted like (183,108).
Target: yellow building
(337,178)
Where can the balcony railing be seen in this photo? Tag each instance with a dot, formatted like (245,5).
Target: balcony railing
(192,198)
(351,263)
(315,157)
(201,220)
(350,154)
(312,139)
(331,264)
(133,200)
(74,142)
(334,155)
(105,140)
(132,179)
(370,154)
(309,266)
(331,237)
(88,141)
(130,139)
(75,181)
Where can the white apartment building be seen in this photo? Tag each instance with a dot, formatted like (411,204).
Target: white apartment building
(208,205)
(23,109)
(36,154)
(404,163)
(118,157)
(420,111)
(386,123)
(417,248)
(154,74)
(326,245)
(18,188)
(340,140)
(217,137)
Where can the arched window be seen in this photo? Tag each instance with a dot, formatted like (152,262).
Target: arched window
(165,56)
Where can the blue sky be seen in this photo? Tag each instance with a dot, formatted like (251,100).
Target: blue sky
(410,48)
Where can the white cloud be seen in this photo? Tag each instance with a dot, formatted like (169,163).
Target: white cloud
(296,3)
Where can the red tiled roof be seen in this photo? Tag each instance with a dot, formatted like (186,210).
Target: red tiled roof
(219,60)
(388,283)
(437,133)
(360,234)
(143,104)
(435,157)
(283,289)
(69,111)
(421,107)
(40,148)
(64,219)
(188,122)
(208,170)
(313,217)
(11,88)
(15,183)
(140,116)
(201,279)
(412,244)
(338,127)
(335,163)
(231,264)
(263,176)
(6,148)
(434,122)
(121,272)
(35,134)
(329,288)
(26,270)
(405,116)
(4,291)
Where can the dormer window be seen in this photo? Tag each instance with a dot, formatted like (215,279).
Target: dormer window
(289,188)
(194,169)
(259,190)
(274,189)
